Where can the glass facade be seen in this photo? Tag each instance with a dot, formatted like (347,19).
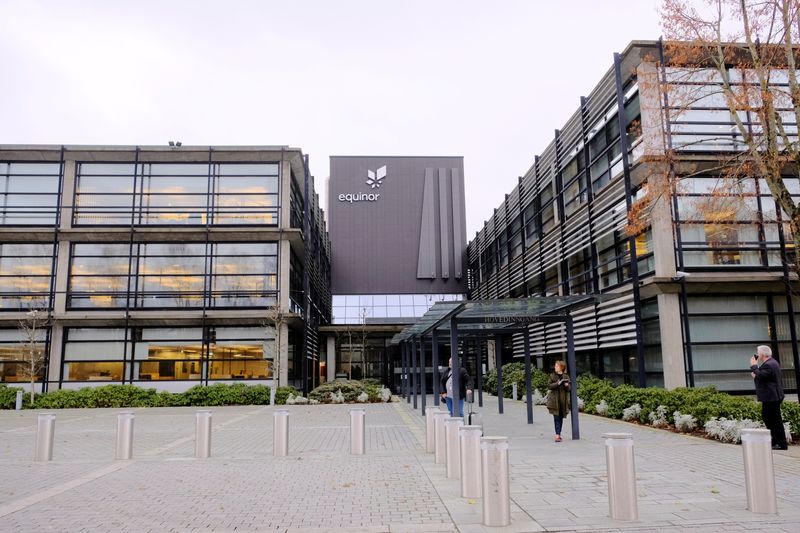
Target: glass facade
(173,275)
(168,354)
(374,308)
(177,194)
(160,265)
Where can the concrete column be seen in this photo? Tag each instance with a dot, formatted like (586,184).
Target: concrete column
(653,140)
(490,351)
(68,190)
(284,355)
(284,254)
(331,363)
(56,340)
(670,327)
(62,278)
(286,195)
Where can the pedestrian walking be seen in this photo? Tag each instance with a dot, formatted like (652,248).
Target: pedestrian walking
(464,386)
(558,400)
(766,373)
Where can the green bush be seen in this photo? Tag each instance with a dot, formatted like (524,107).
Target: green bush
(515,373)
(8,397)
(350,390)
(791,414)
(702,403)
(132,396)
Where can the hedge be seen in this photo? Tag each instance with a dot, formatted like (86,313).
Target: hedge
(350,390)
(703,403)
(133,396)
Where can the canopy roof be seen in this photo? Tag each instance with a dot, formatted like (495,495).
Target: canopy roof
(495,316)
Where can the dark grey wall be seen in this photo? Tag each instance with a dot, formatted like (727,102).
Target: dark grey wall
(376,245)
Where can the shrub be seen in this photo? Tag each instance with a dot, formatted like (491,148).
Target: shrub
(601,408)
(726,430)
(515,373)
(539,398)
(658,418)
(337,397)
(8,397)
(363,397)
(632,413)
(385,394)
(791,415)
(684,423)
(350,390)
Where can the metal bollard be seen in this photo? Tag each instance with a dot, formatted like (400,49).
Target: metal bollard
(430,431)
(621,473)
(357,433)
(124,447)
(469,438)
(280,433)
(759,473)
(272,395)
(202,435)
(45,431)
(495,482)
(18,405)
(514,391)
(439,437)
(452,455)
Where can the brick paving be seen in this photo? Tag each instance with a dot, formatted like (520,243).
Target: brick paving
(684,483)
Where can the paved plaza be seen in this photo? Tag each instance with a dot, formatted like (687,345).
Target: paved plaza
(684,483)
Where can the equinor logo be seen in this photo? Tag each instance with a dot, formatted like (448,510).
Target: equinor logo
(374,180)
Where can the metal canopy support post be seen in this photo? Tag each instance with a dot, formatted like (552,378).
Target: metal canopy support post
(498,364)
(456,370)
(528,397)
(414,372)
(423,375)
(405,373)
(435,357)
(573,378)
(479,366)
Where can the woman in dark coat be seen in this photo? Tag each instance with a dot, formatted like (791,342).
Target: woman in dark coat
(558,398)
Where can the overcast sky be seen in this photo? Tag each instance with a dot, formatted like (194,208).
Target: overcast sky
(487,80)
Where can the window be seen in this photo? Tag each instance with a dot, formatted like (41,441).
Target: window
(15,360)
(29,193)
(25,275)
(94,354)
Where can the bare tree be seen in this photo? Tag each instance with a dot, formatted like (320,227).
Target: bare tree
(274,321)
(740,56)
(31,326)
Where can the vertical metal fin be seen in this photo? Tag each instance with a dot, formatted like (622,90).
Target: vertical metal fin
(459,222)
(444,226)
(426,262)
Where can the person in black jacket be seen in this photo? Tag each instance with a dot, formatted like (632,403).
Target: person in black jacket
(464,386)
(766,373)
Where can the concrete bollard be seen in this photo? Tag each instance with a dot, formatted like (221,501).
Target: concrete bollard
(18,404)
(124,447)
(430,431)
(495,482)
(621,473)
(45,431)
(452,455)
(469,439)
(440,447)
(202,435)
(280,433)
(759,472)
(514,391)
(357,433)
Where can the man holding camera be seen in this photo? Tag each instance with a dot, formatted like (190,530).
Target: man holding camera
(766,373)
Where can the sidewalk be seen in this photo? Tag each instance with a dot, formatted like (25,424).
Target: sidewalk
(683,482)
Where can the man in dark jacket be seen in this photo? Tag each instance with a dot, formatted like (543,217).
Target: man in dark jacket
(464,386)
(766,373)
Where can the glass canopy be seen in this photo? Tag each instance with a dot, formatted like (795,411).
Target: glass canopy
(494,316)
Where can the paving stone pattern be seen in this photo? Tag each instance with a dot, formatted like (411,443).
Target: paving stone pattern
(684,483)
